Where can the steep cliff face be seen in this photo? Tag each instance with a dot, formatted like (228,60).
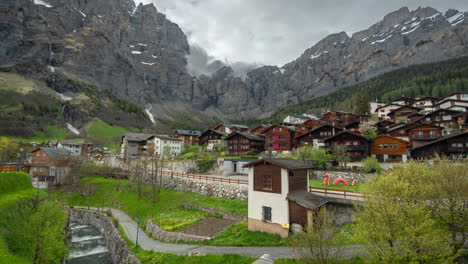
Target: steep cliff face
(138,54)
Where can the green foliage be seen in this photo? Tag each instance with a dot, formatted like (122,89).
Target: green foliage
(150,257)
(204,165)
(124,105)
(368,130)
(360,104)
(14,181)
(339,154)
(101,130)
(320,157)
(287,156)
(355,260)
(371,164)
(186,156)
(191,149)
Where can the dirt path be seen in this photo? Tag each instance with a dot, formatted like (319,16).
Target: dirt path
(208,227)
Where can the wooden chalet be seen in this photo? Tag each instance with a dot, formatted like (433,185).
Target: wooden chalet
(389,149)
(134,144)
(211,137)
(339,118)
(403,112)
(188,136)
(462,121)
(240,143)
(301,128)
(383,125)
(280,138)
(51,165)
(414,117)
(357,145)
(403,101)
(353,126)
(384,110)
(314,123)
(316,136)
(231,128)
(441,117)
(453,146)
(426,103)
(420,134)
(258,130)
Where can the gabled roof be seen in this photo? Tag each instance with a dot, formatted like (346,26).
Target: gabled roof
(52,142)
(346,132)
(318,128)
(187,132)
(401,126)
(289,164)
(387,136)
(404,98)
(291,128)
(405,106)
(383,106)
(415,114)
(351,123)
(439,110)
(137,136)
(215,131)
(300,117)
(247,135)
(442,139)
(166,137)
(59,154)
(418,125)
(70,142)
(427,98)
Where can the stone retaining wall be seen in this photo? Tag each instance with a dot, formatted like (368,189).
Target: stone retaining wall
(212,211)
(120,252)
(347,175)
(215,189)
(164,235)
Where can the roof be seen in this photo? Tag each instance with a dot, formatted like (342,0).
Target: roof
(283,163)
(301,117)
(247,135)
(186,132)
(236,126)
(53,142)
(215,131)
(387,136)
(404,98)
(405,106)
(427,98)
(317,128)
(400,126)
(313,201)
(439,110)
(70,142)
(292,128)
(442,139)
(60,154)
(346,132)
(166,137)
(137,136)
(383,106)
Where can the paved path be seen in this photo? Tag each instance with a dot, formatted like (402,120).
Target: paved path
(147,243)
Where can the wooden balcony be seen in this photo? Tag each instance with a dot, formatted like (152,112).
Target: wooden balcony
(425,137)
(457,149)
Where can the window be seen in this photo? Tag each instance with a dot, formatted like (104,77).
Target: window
(282,137)
(380,146)
(282,145)
(267,182)
(428,119)
(447,117)
(266,213)
(402,131)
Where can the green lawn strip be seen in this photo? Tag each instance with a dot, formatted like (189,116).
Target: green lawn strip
(319,184)
(355,260)
(50,132)
(168,211)
(101,130)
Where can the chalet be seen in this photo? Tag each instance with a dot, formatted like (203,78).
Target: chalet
(403,112)
(420,134)
(458,105)
(279,197)
(389,149)
(270,181)
(210,138)
(240,143)
(458,96)
(312,123)
(374,106)
(414,116)
(357,145)
(301,128)
(426,103)
(383,125)
(316,136)
(164,145)
(441,117)
(51,165)
(295,119)
(134,144)
(231,128)
(279,138)
(383,111)
(189,137)
(454,146)
(353,126)
(400,130)
(339,118)
(75,147)
(462,121)
(403,101)
(258,130)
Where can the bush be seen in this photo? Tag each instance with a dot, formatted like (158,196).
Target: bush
(205,165)
(287,156)
(249,157)
(191,149)
(371,164)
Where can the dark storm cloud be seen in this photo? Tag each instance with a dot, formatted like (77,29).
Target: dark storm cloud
(277,31)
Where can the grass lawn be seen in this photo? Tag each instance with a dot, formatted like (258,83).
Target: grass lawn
(319,184)
(168,211)
(51,132)
(355,260)
(101,130)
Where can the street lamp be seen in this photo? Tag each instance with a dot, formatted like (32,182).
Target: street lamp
(138,219)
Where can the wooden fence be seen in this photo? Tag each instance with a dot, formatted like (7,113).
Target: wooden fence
(8,168)
(343,194)
(204,177)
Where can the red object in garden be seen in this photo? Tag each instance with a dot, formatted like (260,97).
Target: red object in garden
(326,177)
(345,183)
(354,183)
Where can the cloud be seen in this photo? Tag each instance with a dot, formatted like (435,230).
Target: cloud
(276,31)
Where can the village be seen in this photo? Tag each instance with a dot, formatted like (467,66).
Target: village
(288,173)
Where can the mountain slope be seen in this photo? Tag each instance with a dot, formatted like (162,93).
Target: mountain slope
(136,53)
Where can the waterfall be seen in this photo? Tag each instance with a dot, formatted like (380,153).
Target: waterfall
(49,65)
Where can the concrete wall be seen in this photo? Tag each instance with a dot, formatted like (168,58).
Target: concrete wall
(344,214)
(347,175)
(278,203)
(120,252)
(228,165)
(164,235)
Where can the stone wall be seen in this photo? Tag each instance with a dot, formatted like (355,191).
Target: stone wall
(347,175)
(164,235)
(208,188)
(120,252)
(190,166)
(212,211)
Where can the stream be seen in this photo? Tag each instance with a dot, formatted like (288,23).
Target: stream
(87,245)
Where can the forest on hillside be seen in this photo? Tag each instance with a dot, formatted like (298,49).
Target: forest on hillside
(432,79)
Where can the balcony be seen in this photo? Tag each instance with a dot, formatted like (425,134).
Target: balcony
(425,137)
(457,149)
(350,147)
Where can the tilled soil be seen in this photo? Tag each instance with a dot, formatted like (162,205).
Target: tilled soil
(208,227)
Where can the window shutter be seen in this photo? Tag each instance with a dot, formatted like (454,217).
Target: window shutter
(276,181)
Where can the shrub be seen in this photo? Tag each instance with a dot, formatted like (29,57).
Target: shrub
(205,165)
(287,156)
(371,164)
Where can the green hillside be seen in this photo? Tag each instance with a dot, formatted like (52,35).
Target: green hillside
(432,79)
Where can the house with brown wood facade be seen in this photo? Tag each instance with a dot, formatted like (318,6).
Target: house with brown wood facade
(383,111)
(403,112)
(420,134)
(453,146)
(314,123)
(134,144)
(279,138)
(188,136)
(316,136)
(258,130)
(339,118)
(279,197)
(442,117)
(210,138)
(240,143)
(231,128)
(403,101)
(389,149)
(357,146)
(51,165)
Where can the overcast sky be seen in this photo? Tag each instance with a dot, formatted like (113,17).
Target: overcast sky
(277,31)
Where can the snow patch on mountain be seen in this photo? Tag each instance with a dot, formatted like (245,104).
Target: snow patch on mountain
(40,2)
(148,63)
(316,55)
(73,129)
(64,97)
(136,52)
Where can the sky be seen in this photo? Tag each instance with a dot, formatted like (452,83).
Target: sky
(274,32)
